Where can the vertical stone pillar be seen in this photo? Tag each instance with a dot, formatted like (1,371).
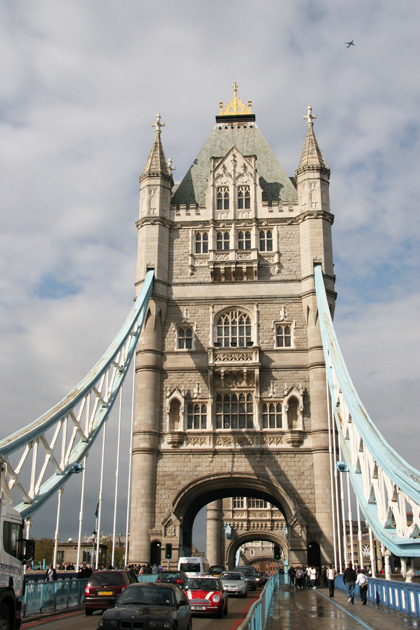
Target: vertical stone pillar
(146,437)
(214,532)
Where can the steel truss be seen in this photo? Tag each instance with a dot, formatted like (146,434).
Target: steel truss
(52,447)
(387,488)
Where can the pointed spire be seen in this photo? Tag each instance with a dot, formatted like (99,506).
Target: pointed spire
(156,165)
(311,154)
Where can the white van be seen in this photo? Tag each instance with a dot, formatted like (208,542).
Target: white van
(193,566)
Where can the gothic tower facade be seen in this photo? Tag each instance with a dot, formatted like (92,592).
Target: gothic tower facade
(230,381)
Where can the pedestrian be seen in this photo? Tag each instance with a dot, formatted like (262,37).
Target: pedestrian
(292,573)
(85,571)
(155,569)
(331,573)
(312,577)
(363,582)
(51,574)
(349,580)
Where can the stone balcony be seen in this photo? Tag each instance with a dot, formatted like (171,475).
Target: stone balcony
(229,265)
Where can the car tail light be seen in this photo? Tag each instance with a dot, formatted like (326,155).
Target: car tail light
(87,592)
(124,586)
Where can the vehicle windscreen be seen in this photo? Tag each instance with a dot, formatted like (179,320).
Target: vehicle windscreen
(190,567)
(146,596)
(169,577)
(232,576)
(203,585)
(103,578)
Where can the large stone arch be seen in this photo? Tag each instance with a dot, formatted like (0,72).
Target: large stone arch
(245,537)
(203,490)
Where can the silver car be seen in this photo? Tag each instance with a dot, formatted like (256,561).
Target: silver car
(234,583)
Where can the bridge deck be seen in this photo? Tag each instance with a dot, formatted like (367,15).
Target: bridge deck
(294,610)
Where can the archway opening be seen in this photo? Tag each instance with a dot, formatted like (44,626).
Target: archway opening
(314,555)
(155,553)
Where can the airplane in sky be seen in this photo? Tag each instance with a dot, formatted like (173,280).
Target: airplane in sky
(348,44)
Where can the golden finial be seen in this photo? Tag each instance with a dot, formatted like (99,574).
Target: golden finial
(235,105)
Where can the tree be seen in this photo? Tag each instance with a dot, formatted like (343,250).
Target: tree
(44,549)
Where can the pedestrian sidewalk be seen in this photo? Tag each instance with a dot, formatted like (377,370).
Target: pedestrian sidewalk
(294,609)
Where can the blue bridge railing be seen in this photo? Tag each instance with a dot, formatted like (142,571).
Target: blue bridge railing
(42,597)
(257,616)
(401,596)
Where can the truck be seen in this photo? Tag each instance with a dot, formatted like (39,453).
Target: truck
(15,552)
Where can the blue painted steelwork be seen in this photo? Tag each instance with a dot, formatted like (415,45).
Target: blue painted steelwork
(91,399)
(42,597)
(386,486)
(256,618)
(398,595)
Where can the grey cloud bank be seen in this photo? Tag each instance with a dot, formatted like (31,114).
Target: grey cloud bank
(81,86)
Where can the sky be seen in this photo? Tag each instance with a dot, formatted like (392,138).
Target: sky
(81,85)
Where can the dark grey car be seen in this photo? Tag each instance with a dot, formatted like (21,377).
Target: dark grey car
(149,605)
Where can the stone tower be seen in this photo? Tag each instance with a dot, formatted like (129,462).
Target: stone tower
(230,379)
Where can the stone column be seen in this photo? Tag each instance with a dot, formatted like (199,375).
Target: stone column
(214,532)
(146,437)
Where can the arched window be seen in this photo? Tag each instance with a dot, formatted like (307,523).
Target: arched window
(283,336)
(244,240)
(222,198)
(185,338)
(272,416)
(266,241)
(244,198)
(234,411)
(222,241)
(201,243)
(234,330)
(197,416)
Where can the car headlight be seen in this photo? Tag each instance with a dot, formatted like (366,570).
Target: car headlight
(160,625)
(216,598)
(108,623)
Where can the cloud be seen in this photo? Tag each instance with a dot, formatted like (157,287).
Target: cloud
(81,85)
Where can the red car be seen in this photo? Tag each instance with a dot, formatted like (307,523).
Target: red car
(206,596)
(104,587)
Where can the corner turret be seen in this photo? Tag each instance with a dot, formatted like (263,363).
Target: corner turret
(156,184)
(312,174)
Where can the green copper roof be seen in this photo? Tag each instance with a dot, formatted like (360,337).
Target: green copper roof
(247,139)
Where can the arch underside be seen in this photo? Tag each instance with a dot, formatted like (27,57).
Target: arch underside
(191,499)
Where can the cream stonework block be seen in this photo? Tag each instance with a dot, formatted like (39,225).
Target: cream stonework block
(230,380)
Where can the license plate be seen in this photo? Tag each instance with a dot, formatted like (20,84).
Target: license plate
(198,608)
(105,593)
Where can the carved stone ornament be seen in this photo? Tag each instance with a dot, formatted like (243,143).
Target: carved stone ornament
(294,438)
(175,438)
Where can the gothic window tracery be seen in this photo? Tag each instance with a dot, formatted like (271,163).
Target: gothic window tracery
(185,338)
(234,411)
(201,243)
(272,416)
(234,330)
(283,336)
(222,241)
(222,197)
(244,198)
(197,416)
(257,504)
(244,239)
(266,241)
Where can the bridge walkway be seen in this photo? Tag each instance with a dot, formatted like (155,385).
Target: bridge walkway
(296,610)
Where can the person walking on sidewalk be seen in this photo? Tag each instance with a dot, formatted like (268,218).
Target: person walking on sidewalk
(349,579)
(331,573)
(363,582)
